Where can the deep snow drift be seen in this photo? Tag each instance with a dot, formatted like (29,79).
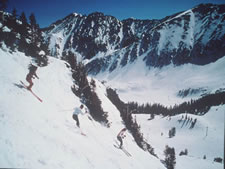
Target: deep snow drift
(44,135)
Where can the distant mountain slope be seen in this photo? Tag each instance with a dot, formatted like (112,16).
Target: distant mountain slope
(193,36)
(169,85)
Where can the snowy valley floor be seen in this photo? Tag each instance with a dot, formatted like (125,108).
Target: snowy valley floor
(136,82)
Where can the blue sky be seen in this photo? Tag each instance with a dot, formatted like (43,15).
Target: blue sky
(48,11)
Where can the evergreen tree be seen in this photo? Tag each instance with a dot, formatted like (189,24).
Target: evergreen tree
(12,21)
(23,30)
(170,157)
(33,22)
(23,19)
(71,59)
(85,91)
(34,28)
(14,14)
(131,124)
(152,116)
(185,152)
(9,37)
(36,38)
(172,132)
(3,5)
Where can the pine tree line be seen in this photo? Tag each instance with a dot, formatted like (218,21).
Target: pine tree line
(19,34)
(130,123)
(197,107)
(84,90)
(201,106)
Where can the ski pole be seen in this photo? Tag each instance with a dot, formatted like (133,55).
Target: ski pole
(66,110)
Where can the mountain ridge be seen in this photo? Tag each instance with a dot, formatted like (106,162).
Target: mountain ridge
(193,36)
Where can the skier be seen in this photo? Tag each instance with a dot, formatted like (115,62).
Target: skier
(30,75)
(78,110)
(121,135)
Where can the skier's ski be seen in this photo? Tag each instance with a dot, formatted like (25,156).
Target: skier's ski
(31,92)
(125,151)
(36,96)
(73,129)
(82,134)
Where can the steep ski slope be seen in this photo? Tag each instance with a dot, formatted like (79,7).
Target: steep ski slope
(43,135)
(205,139)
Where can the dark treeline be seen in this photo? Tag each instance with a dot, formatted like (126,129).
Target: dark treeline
(197,107)
(21,34)
(85,90)
(130,123)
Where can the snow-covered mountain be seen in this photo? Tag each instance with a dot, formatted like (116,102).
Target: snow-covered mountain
(118,53)
(38,134)
(194,36)
(44,135)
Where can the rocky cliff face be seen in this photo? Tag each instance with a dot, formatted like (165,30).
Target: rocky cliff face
(194,36)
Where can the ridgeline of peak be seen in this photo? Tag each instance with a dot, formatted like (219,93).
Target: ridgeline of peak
(194,36)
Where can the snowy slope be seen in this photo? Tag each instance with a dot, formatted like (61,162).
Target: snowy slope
(43,135)
(135,82)
(206,138)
